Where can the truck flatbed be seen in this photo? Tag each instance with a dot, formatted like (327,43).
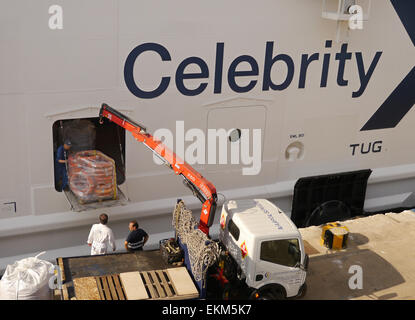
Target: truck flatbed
(124,276)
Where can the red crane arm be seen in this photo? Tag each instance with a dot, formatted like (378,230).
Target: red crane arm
(203,189)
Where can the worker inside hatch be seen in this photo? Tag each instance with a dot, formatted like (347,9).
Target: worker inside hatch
(61,164)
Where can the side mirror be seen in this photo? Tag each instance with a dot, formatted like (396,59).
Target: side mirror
(293,250)
(304,266)
(296,253)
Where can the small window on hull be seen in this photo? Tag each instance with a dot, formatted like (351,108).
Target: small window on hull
(88,134)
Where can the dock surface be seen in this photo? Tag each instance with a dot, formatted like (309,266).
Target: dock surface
(381,245)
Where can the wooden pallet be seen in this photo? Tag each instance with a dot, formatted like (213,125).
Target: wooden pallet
(155,284)
(110,287)
(165,284)
(182,283)
(158,284)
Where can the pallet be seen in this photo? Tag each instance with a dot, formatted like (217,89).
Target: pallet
(182,283)
(151,285)
(110,287)
(168,284)
(80,205)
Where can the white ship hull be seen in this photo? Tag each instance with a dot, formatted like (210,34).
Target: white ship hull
(48,75)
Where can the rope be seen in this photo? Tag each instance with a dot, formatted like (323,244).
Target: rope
(124,170)
(64,153)
(203,252)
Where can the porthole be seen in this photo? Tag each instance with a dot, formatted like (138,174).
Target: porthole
(235,135)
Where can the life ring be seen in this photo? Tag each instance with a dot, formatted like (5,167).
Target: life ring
(92,174)
(102,175)
(102,164)
(104,192)
(102,169)
(93,159)
(84,156)
(86,162)
(103,180)
(72,162)
(96,165)
(86,153)
(73,170)
(81,184)
(75,162)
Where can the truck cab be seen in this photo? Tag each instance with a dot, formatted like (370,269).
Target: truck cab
(267,247)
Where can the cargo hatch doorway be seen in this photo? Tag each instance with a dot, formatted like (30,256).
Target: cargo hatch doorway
(87,135)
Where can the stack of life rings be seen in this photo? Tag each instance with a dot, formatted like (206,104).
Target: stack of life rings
(92,176)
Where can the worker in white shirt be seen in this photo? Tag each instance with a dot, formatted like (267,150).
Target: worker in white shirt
(100,235)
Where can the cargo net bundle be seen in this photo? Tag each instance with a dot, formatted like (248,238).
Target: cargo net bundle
(203,252)
(92,176)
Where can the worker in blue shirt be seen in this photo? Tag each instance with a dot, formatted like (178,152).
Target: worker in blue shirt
(61,164)
(136,239)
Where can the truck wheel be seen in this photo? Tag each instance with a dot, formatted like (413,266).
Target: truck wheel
(273,295)
(303,291)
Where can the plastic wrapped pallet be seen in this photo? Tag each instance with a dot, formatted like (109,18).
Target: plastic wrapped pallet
(92,176)
(27,279)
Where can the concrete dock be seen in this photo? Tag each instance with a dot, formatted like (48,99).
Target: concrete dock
(380,250)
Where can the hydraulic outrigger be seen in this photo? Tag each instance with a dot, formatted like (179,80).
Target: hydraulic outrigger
(203,189)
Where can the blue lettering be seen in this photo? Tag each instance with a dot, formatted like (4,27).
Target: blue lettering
(180,76)
(269,62)
(326,63)
(342,56)
(219,67)
(305,62)
(365,76)
(129,70)
(269,216)
(232,73)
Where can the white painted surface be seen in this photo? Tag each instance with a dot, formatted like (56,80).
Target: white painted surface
(47,75)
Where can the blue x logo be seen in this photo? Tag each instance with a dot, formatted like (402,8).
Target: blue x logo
(402,99)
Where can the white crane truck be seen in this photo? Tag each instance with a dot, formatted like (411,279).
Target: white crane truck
(259,254)
(268,260)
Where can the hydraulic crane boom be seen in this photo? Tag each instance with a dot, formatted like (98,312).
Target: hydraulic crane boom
(204,190)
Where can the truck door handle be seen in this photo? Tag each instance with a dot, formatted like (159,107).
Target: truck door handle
(259,277)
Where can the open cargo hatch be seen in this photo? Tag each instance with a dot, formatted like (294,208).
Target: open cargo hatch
(86,136)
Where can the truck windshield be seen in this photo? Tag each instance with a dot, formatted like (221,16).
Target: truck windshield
(284,252)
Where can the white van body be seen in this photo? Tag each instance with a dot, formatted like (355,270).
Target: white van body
(260,221)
